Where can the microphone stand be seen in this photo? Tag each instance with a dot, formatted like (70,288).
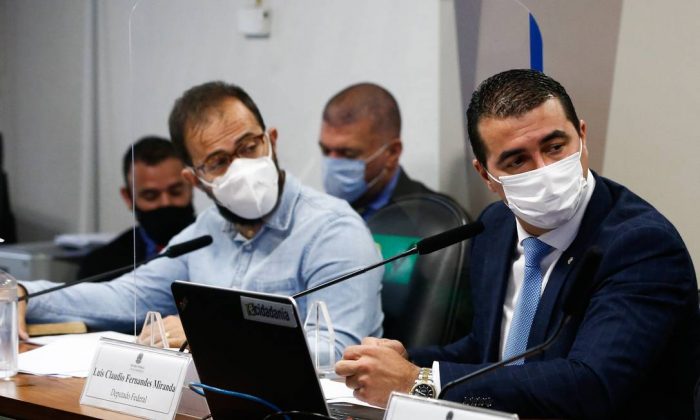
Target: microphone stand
(574,304)
(172,252)
(96,277)
(528,353)
(410,251)
(424,246)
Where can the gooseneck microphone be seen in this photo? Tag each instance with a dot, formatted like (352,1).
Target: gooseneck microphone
(575,303)
(423,247)
(186,247)
(173,251)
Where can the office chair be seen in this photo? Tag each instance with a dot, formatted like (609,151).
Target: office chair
(426,299)
(7,219)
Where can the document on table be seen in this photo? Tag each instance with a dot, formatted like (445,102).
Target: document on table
(335,391)
(65,355)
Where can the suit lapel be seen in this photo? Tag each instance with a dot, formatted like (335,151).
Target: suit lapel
(549,312)
(500,253)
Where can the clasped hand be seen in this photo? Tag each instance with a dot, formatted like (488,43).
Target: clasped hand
(376,368)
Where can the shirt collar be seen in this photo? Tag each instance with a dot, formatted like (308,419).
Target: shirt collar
(383,198)
(561,237)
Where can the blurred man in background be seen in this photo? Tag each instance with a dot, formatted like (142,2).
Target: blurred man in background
(361,144)
(160,198)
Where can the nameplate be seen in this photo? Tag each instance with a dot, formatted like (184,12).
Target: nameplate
(411,407)
(269,312)
(134,379)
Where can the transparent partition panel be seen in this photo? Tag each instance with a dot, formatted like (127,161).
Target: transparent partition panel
(88,89)
(61,198)
(290,58)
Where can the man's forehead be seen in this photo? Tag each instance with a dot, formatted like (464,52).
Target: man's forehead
(534,124)
(356,134)
(167,171)
(226,112)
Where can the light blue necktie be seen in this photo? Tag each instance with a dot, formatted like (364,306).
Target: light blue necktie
(535,250)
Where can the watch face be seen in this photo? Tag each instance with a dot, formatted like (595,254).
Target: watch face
(424,390)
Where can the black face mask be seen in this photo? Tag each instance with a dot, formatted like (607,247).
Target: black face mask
(163,223)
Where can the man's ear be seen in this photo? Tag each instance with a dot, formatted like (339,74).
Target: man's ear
(126,196)
(395,148)
(582,124)
(272,133)
(484,175)
(191,178)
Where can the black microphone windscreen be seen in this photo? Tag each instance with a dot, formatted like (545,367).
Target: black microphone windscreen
(580,292)
(188,246)
(452,236)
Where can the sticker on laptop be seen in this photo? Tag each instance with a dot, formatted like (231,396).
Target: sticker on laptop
(268,312)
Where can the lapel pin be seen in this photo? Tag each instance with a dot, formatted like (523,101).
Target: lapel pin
(570,260)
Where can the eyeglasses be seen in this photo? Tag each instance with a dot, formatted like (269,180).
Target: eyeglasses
(249,147)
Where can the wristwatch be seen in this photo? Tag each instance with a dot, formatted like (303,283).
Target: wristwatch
(424,385)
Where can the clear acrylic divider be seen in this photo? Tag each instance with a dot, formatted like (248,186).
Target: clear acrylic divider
(153,332)
(321,338)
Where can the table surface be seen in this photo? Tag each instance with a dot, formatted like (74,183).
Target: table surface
(29,396)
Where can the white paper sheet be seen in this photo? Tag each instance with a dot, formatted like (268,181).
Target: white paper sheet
(336,391)
(64,355)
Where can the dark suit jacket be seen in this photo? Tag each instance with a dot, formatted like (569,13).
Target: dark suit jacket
(634,353)
(116,254)
(406,186)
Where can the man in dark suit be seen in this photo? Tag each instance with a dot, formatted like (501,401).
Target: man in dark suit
(361,144)
(634,353)
(160,198)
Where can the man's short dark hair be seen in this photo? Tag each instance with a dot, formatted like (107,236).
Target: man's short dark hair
(194,105)
(365,100)
(513,93)
(150,150)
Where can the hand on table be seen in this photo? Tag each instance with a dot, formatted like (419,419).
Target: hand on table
(174,332)
(21,314)
(375,368)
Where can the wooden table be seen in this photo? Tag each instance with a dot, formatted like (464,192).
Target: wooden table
(42,397)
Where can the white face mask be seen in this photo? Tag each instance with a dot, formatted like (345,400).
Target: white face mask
(546,197)
(249,187)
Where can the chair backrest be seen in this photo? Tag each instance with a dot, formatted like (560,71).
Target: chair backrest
(426,299)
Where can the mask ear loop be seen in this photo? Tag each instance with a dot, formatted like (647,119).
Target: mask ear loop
(493,178)
(266,136)
(373,156)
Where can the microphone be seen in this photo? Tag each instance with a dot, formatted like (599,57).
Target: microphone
(423,247)
(575,303)
(173,251)
(186,247)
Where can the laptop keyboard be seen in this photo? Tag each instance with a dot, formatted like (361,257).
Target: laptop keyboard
(348,411)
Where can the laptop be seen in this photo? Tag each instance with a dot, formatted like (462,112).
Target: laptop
(254,343)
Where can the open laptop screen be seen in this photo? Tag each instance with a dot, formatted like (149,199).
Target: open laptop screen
(251,343)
